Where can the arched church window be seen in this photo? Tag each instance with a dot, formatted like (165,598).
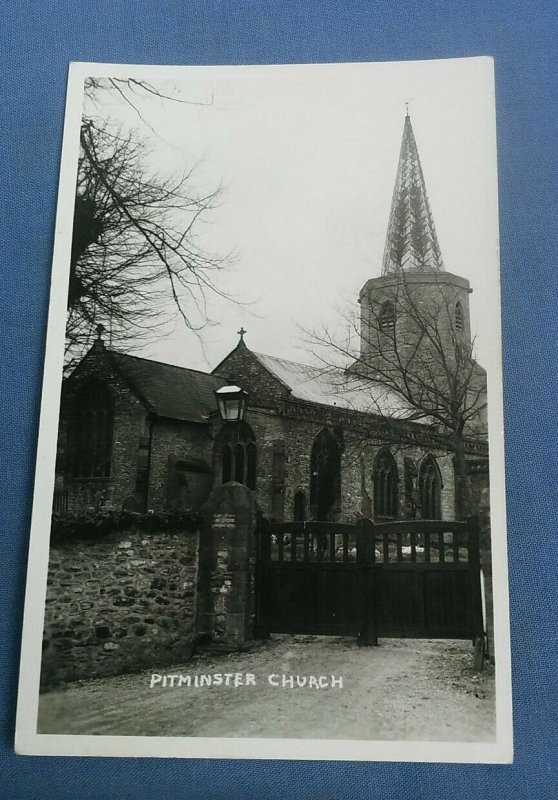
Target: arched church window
(238,454)
(387,316)
(386,480)
(458,316)
(430,489)
(325,476)
(91,432)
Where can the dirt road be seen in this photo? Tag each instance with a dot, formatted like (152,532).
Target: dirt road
(403,689)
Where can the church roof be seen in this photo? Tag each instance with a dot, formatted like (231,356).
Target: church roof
(168,390)
(188,395)
(332,387)
(411,242)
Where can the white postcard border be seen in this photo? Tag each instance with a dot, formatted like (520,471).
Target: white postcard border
(28,741)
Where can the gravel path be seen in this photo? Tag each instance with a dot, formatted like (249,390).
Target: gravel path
(403,690)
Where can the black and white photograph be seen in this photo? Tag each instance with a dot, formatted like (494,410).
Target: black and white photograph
(269,506)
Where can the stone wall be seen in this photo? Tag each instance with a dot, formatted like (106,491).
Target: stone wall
(124,602)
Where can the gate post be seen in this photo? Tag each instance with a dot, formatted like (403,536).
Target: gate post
(225,607)
(474,564)
(366,558)
(486,565)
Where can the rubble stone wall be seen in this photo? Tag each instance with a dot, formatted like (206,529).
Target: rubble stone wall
(122,603)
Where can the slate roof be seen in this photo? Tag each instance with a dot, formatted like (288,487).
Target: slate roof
(332,388)
(188,394)
(168,390)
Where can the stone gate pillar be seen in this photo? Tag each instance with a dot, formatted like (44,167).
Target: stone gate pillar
(225,600)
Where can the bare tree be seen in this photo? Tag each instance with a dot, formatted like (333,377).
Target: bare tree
(416,350)
(134,246)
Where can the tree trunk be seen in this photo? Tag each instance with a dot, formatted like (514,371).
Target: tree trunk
(464,498)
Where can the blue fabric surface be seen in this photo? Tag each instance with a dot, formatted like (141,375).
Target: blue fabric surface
(38,41)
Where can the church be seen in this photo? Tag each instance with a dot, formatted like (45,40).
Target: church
(311,443)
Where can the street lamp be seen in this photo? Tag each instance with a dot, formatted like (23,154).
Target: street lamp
(231,400)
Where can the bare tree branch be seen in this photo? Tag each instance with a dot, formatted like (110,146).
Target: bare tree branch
(134,237)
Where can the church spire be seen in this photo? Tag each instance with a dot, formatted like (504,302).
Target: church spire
(411,242)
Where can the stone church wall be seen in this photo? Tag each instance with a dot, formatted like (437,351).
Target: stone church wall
(295,435)
(269,430)
(129,427)
(425,298)
(295,438)
(124,602)
(300,436)
(242,366)
(174,441)
(171,440)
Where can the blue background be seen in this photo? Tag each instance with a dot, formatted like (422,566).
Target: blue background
(39,39)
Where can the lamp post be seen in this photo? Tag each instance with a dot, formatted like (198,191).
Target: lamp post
(231,401)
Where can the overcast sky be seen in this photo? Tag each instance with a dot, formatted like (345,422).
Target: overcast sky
(307,157)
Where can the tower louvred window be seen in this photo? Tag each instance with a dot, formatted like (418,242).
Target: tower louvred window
(387,317)
(459,316)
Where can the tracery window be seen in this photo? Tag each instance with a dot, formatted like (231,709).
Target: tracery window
(325,475)
(386,490)
(387,316)
(458,316)
(238,454)
(91,431)
(430,489)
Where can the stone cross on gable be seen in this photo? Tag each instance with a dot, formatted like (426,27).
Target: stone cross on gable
(241,333)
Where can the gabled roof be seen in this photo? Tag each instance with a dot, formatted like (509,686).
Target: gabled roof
(332,387)
(169,391)
(411,241)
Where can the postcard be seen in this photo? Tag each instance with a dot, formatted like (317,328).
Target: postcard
(269,506)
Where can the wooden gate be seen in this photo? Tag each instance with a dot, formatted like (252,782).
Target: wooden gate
(417,579)
(307,579)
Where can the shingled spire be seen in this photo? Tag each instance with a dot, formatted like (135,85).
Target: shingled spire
(411,242)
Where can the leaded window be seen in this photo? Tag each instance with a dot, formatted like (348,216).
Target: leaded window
(325,475)
(430,489)
(91,432)
(238,454)
(386,489)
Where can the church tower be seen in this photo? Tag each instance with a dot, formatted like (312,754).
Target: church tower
(414,288)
